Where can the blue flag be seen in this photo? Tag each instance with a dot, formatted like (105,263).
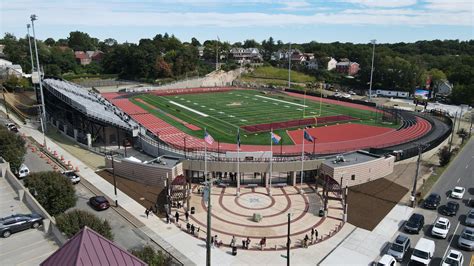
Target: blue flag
(275,138)
(307,136)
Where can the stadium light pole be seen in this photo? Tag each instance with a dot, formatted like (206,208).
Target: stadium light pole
(289,67)
(33,18)
(372,68)
(31,52)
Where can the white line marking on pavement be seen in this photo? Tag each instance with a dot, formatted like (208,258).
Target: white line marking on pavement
(280,101)
(467,166)
(189,109)
(450,241)
(458,180)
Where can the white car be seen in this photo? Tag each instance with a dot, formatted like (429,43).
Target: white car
(386,260)
(72,176)
(454,257)
(458,192)
(441,227)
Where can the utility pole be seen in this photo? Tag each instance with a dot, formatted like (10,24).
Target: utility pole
(31,52)
(289,67)
(38,69)
(372,69)
(413,192)
(288,241)
(452,131)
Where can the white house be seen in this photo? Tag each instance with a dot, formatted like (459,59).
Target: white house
(244,55)
(331,64)
(4,62)
(311,64)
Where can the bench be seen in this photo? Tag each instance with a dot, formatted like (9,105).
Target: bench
(223,185)
(280,185)
(252,185)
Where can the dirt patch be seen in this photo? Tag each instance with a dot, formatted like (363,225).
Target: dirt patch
(234,104)
(369,203)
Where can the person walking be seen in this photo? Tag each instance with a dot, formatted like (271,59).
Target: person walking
(186,215)
(312,235)
(232,242)
(243,243)
(147,212)
(167,218)
(177,216)
(188,227)
(316,234)
(192,229)
(215,241)
(305,241)
(247,244)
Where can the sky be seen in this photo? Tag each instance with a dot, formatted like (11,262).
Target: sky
(357,21)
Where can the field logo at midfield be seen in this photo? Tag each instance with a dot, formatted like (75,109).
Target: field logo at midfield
(280,101)
(189,109)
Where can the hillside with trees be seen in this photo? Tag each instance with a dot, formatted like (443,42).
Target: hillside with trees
(398,66)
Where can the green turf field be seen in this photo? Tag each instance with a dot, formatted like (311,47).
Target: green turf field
(223,112)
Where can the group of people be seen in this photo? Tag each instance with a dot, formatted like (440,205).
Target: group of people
(310,240)
(191,229)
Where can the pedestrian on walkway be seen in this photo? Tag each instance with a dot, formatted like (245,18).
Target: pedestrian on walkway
(192,229)
(215,241)
(243,243)
(188,227)
(232,242)
(316,234)
(177,216)
(312,235)
(263,243)
(147,212)
(167,218)
(197,231)
(305,241)
(248,243)
(186,214)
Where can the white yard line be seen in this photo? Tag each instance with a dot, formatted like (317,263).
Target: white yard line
(281,101)
(449,245)
(189,109)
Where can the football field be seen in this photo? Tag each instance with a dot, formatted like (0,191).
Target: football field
(222,113)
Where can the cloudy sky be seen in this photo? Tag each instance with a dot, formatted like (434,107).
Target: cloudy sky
(236,20)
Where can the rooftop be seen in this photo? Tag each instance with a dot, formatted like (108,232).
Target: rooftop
(350,159)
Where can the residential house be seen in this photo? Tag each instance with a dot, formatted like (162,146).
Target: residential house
(200,51)
(311,64)
(331,64)
(345,66)
(7,69)
(246,55)
(85,58)
(88,247)
(2,54)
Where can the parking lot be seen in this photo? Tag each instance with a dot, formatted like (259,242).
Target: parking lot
(29,247)
(459,173)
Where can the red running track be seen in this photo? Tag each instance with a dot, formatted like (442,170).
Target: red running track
(330,139)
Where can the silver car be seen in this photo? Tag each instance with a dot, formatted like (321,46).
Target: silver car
(466,239)
(399,247)
(470,218)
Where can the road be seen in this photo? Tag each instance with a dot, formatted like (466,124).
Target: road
(459,173)
(125,233)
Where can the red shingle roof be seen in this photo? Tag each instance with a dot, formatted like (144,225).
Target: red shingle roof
(90,248)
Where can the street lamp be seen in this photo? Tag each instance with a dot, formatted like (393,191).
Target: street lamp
(31,53)
(288,241)
(33,18)
(372,69)
(113,174)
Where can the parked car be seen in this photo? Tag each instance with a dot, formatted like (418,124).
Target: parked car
(441,227)
(423,252)
(466,239)
(454,258)
(458,193)
(399,247)
(23,171)
(415,223)
(386,260)
(432,201)
(451,208)
(99,203)
(19,222)
(470,218)
(71,175)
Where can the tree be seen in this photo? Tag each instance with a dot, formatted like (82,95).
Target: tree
(80,41)
(444,156)
(50,42)
(12,147)
(150,256)
(53,191)
(195,42)
(73,221)
(162,69)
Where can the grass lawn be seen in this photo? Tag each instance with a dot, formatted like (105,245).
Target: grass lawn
(273,74)
(223,113)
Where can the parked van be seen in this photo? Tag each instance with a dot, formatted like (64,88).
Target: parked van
(23,171)
(423,251)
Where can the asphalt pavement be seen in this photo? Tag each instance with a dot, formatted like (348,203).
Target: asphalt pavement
(460,172)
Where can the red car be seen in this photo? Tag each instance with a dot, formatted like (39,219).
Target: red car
(99,203)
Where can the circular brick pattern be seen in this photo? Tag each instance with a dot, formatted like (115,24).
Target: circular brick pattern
(254,201)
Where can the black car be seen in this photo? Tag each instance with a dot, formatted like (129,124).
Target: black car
(19,222)
(99,203)
(451,208)
(432,201)
(415,223)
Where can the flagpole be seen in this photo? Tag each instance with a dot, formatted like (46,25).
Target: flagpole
(302,165)
(208,240)
(271,165)
(238,162)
